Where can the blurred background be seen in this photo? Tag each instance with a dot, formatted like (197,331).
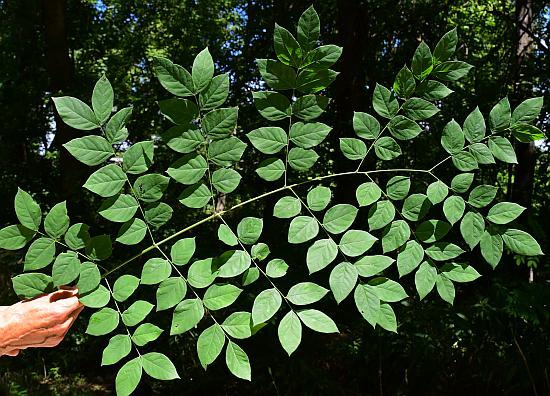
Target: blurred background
(496,338)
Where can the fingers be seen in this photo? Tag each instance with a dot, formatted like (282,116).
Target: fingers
(63,293)
(13,352)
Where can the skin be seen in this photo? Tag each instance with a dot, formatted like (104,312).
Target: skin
(41,322)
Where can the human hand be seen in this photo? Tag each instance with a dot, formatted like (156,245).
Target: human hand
(40,322)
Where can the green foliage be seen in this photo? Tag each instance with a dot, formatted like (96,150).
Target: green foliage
(404,216)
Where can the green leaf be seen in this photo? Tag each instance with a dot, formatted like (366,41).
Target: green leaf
(157,214)
(155,270)
(367,302)
(215,93)
(404,129)
(102,322)
(460,272)
(353,149)
(301,159)
(368,193)
(89,278)
(308,29)
(452,138)
(260,251)
(56,222)
(419,109)
(237,361)
(309,107)
(250,276)
(266,304)
(409,258)
(432,230)
(453,208)
(317,321)
(271,169)
(433,90)
(527,133)
(342,280)
(138,158)
(219,296)
(102,99)
(187,315)
(227,151)
(268,140)
(527,111)
(220,123)
(159,366)
(492,247)
(322,57)
(96,299)
(307,135)
(437,192)
(443,251)
(395,235)
(365,125)
(306,293)
(276,268)
(249,230)
(404,84)
(462,182)
(15,237)
(65,269)
(471,228)
(445,288)
(482,196)
(474,126)
(115,130)
(290,332)
(31,285)
(91,150)
(27,210)
(273,106)
(75,113)
(227,236)
(174,78)
(128,377)
(464,161)
(445,47)
(386,148)
(521,242)
(500,116)
(119,208)
(118,348)
(425,278)
(170,292)
(276,74)
(40,254)
(398,187)
(356,242)
(146,333)
(318,198)
(384,103)
(339,218)
(210,344)
(124,287)
(320,254)
(226,180)
(415,207)
(502,149)
(179,111)
(183,138)
(386,318)
(422,61)
(372,265)
(451,70)
(151,187)
(195,196)
(202,273)
(287,48)
(238,325)
(380,215)
(189,169)
(202,70)
(481,153)
(132,232)
(136,312)
(387,289)
(504,212)
(312,81)
(302,229)
(106,181)
(233,263)
(287,207)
